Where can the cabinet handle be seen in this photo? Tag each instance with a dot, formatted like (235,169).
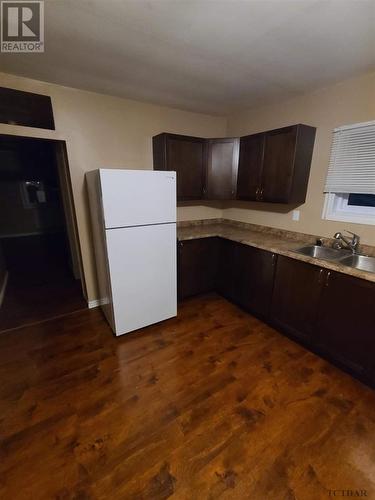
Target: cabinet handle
(327,279)
(181,243)
(261,193)
(257,193)
(273,259)
(320,277)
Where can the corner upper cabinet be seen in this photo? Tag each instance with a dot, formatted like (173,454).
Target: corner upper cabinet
(186,155)
(222,166)
(275,166)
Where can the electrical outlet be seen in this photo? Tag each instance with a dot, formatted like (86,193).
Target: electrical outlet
(295,215)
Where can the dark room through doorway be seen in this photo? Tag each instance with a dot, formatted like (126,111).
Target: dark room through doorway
(40,260)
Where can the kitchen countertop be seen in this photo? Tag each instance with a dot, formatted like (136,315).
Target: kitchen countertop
(273,240)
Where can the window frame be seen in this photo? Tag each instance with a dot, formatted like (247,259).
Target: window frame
(336,205)
(336,208)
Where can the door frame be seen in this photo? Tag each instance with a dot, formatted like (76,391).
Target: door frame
(68,204)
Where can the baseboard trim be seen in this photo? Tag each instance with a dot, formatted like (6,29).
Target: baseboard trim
(95,303)
(3,288)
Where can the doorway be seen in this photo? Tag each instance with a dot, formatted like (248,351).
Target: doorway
(40,258)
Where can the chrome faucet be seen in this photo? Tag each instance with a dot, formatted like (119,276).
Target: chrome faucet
(341,241)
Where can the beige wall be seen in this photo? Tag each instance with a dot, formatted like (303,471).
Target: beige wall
(104,131)
(348,102)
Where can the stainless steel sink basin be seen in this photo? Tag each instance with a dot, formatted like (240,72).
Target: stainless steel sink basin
(360,262)
(345,257)
(324,253)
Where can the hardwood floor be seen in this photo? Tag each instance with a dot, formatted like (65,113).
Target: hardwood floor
(41,284)
(32,301)
(213,404)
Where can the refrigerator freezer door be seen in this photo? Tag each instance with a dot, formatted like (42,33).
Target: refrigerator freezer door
(137,197)
(142,262)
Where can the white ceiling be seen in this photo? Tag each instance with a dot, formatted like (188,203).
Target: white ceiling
(213,56)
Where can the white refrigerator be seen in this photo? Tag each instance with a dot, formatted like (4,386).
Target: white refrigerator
(133,216)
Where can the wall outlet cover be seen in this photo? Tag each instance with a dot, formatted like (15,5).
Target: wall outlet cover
(296,215)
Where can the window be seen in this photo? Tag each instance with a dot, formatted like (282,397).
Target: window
(362,200)
(350,183)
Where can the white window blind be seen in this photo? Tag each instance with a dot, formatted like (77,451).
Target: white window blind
(352,164)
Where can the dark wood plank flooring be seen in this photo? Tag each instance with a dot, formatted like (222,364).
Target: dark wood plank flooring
(41,284)
(38,298)
(212,404)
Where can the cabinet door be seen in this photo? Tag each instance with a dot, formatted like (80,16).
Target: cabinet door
(186,156)
(26,108)
(346,324)
(296,295)
(226,268)
(250,167)
(222,166)
(254,279)
(278,165)
(197,262)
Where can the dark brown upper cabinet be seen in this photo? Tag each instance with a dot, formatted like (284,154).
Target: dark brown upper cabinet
(221,171)
(26,108)
(186,155)
(274,166)
(250,167)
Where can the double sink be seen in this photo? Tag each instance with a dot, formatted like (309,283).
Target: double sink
(344,257)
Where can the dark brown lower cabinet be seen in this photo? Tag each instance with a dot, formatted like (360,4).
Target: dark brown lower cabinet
(240,273)
(346,322)
(331,312)
(226,272)
(296,295)
(245,276)
(197,263)
(254,279)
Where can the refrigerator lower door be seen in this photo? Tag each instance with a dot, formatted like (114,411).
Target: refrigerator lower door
(142,265)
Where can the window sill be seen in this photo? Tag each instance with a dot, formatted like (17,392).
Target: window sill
(336,211)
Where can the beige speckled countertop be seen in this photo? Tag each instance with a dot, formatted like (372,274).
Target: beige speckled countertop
(273,240)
